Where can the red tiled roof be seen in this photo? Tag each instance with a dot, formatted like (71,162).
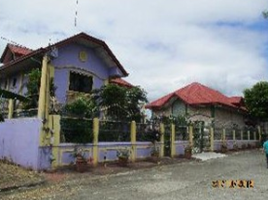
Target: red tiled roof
(236,100)
(121,82)
(19,49)
(194,94)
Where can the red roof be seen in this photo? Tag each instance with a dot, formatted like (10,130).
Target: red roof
(19,49)
(12,49)
(121,82)
(236,100)
(194,94)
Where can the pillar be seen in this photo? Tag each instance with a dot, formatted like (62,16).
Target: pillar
(172,141)
(55,140)
(234,136)
(259,132)
(42,90)
(223,135)
(191,132)
(10,108)
(162,138)
(95,141)
(133,133)
(211,139)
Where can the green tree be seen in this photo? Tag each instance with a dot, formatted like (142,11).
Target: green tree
(121,103)
(33,86)
(265,14)
(256,100)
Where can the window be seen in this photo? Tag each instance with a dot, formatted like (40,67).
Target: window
(14,82)
(6,84)
(80,82)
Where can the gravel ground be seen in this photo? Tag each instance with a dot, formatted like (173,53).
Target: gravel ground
(189,180)
(12,176)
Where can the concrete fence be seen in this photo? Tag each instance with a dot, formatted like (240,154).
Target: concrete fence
(26,141)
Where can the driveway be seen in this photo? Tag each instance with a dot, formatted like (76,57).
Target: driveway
(189,180)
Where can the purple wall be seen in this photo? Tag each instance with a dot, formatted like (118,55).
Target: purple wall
(19,141)
(68,60)
(61,81)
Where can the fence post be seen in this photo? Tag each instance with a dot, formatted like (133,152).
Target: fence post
(259,132)
(248,134)
(43,85)
(211,138)
(162,137)
(172,141)
(234,136)
(223,135)
(55,126)
(95,141)
(255,136)
(133,133)
(10,108)
(241,134)
(191,135)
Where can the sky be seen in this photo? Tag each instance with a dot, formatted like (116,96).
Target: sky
(163,44)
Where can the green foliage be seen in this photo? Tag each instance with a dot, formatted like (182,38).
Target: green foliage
(82,106)
(265,14)
(256,100)
(33,86)
(76,130)
(77,126)
(121,103)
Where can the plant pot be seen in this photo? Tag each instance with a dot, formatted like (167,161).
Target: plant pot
(154,158)
(123,161)
(224,149)
(81,165)
(188,152)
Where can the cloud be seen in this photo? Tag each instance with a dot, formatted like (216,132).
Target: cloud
(164,44)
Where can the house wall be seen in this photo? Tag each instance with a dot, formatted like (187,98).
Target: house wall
(224,117)
(68,60)
(19,141)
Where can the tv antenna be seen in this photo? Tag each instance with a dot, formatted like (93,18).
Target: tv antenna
(76,14)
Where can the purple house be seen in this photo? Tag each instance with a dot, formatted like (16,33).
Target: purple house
(77,64)
(80,63)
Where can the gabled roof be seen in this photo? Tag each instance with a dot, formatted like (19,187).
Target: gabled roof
(82,38)
(194,94)
(121,82)
(15,50)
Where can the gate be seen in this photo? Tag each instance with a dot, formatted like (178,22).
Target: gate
(167,140)
(201,141)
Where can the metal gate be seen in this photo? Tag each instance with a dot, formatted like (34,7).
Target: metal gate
(201,141)
(167,141)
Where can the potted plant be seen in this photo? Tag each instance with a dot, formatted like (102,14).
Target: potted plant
(235,146)
(155,154)
(123,156)
(244,146)
(80,160)
(224,147)
(188,152)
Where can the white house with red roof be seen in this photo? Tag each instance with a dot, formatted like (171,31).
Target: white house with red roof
(200,103)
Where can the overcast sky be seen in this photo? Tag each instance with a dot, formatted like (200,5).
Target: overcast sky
(163,44)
